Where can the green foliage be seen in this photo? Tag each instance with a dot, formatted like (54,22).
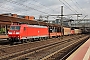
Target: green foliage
(2,30)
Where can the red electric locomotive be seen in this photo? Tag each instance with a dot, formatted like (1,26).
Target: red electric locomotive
(23,32)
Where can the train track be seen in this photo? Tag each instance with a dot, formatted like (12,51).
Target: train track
(30,51)
(64,52)
(5,43)
(49,53)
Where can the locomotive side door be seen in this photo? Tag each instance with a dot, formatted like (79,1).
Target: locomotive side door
(25,32)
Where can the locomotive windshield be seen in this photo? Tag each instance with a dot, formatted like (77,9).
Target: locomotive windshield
(15,28)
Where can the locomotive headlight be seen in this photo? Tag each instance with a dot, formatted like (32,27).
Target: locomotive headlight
(17,32)
(9,32)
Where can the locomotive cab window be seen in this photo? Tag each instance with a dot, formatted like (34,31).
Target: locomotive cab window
(12,27)
(15,28)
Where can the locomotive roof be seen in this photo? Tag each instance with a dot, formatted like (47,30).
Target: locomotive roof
(37,26)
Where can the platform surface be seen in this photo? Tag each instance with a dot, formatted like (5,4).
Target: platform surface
(3,36)
(82,53)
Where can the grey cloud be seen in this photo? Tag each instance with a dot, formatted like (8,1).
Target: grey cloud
(49,6)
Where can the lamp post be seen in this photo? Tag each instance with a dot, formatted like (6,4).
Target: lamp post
(61,22)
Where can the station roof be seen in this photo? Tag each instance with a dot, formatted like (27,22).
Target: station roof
(5,23)
(9,19)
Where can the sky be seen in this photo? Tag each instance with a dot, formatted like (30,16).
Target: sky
(46,7)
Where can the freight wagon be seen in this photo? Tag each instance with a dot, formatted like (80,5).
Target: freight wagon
(67,31)
(77,31)
(54,31)
(72,31)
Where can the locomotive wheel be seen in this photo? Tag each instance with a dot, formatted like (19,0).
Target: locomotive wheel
(46,38)
(39,39)
(25,41)
(21,41)
(42,38)
(11,42)
(32,40)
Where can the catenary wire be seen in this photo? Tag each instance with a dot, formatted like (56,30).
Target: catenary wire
(67,6)
(70,6)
